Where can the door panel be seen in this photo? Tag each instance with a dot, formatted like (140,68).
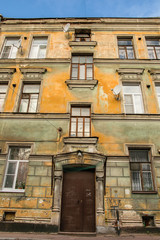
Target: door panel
(78,201)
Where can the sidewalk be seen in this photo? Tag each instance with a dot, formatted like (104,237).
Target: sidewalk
(54,236)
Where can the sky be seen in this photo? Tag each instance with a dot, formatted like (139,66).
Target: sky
(79,8)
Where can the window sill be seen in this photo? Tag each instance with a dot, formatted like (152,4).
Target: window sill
(12,191)
(83,44)
(81,83)
(80,140)
(143,192)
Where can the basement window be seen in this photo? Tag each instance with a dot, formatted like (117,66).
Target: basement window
(148,221)
(9,216)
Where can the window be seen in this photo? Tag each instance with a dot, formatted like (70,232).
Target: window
(82,35)
(3,90)
(38,48)
(132,98)
(158,92)
(141,170)
(80,125)
(17,167)
(125,48)
(10,48)
(82,67)
(153,46)
(29,98)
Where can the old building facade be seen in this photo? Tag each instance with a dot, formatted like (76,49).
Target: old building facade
(79,122)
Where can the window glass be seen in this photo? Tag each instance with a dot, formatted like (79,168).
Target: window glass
(133,102)
(10,48)
(80,122)
(17,168)
(82,72)
(82,67)
(153,48)
(125,48)
(124,42)
(3,90)
(29,99)
(38,48)
(141,172)
(158,93)
(153,42)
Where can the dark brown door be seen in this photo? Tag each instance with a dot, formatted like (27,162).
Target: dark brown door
(78,201)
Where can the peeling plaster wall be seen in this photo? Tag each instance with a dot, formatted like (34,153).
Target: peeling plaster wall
(113,132)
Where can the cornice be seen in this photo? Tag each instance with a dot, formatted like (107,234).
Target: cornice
(125,61)
(126,117)
(16,115)
(34,61)
(30,62)
(94,116)
(96,24)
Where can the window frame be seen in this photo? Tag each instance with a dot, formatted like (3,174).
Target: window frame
(153,46)
(17,161)
(135,83)
(88,117)
(4,44)
(125,47)
(150,162)
(157,94)
(21,94)
(4,83)
(78,73)
(31,44)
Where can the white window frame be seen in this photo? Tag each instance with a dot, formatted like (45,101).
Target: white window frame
(3,83)
(38,46)
(13,47)
(133,97)
(158,93)
(21,98)
(13,189)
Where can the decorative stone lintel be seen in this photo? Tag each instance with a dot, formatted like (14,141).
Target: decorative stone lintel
(155,74)
(81,83)
(6,73)
(138,71)
(130,74)
(80,140)
(83,44)
(33,70)
(7,70)
(33,73)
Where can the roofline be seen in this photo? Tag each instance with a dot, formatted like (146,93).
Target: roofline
(70,18)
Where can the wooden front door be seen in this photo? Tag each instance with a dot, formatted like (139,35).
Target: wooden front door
(78,201)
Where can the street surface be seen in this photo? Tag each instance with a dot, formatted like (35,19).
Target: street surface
(44,236)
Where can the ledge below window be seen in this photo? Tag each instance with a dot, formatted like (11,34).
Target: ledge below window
(87,144)
(143,192)
(83,44)
(82,140)
(81,83)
